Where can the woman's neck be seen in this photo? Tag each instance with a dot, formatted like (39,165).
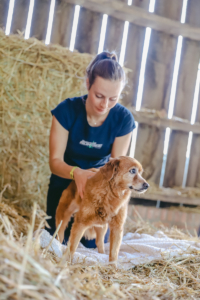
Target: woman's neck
(92,118)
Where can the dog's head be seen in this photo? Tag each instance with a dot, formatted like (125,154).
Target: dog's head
(126,172)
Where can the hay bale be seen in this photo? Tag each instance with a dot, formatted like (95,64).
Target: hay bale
(34,79)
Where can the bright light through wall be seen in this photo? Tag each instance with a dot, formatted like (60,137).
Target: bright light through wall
(10,16)
(29,19)
(50,22)
(175,77)
(124,40)
(103,33)
(74,27)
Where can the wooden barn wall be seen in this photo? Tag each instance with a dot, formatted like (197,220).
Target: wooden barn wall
(184,100)
(133,57)
(157,86)
(193,179)
(3,12)
(158,75)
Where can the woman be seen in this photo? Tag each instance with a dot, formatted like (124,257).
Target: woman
(86,131)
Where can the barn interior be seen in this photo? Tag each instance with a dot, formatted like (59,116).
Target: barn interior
(45,47)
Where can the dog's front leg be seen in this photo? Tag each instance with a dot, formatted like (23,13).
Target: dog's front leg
(100,234)
(76,234)
(116,233)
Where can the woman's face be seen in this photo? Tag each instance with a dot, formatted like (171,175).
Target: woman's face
(103,95)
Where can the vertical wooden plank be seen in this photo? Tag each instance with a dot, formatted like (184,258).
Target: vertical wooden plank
(3,12)
(193,176)
(157,84)
(40,19)
(183,102)
(141,3)
(88,31)
(20,15)
(133,56)
(62,23)
(114,34)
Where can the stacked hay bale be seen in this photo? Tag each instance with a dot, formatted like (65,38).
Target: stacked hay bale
(34,79)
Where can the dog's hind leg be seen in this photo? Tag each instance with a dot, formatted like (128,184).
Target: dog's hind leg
(100,234)
(66,208)
(76,234)
(66,218)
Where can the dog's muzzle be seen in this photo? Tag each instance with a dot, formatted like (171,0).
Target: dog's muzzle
(144,187)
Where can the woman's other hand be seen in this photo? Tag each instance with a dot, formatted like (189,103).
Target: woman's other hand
(81,176)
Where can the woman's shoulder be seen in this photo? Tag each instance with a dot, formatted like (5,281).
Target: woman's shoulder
(67,110)
(73,102)
(122,111)
(124,119)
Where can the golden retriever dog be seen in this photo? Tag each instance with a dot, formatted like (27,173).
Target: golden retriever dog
(104,203)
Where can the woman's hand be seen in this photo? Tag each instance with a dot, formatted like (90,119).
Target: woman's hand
(80,177)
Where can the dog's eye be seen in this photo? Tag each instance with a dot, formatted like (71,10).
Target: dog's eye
(132,171)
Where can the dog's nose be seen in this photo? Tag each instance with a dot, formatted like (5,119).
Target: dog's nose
(145,185)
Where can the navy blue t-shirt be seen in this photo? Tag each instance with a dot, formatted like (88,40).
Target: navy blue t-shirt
(87,146)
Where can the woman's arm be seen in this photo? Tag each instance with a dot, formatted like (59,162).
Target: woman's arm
(120,145)
(57,145)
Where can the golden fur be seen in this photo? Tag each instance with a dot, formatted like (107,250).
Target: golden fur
(104,203)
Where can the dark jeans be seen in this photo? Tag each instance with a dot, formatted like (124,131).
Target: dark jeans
(53,197)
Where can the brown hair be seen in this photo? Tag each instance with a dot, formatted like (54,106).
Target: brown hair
(105,65)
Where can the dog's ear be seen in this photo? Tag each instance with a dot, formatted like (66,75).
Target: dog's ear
(110,168)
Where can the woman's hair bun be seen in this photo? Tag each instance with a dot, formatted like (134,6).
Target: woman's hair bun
(105,65)
(107,55)
(112,56)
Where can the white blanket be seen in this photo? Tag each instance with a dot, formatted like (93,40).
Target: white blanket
(135,249)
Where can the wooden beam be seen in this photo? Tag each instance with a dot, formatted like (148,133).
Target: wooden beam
(170,195)
(139,16)
(158,119)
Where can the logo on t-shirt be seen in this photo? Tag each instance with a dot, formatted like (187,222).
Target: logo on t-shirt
(91,144)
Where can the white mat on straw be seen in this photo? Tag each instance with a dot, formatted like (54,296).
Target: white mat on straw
(135,249)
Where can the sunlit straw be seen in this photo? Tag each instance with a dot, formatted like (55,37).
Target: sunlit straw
(74,27)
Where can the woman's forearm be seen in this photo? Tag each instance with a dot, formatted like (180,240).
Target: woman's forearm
(60,168)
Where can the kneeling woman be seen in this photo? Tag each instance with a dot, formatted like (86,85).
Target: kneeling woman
(86,131)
